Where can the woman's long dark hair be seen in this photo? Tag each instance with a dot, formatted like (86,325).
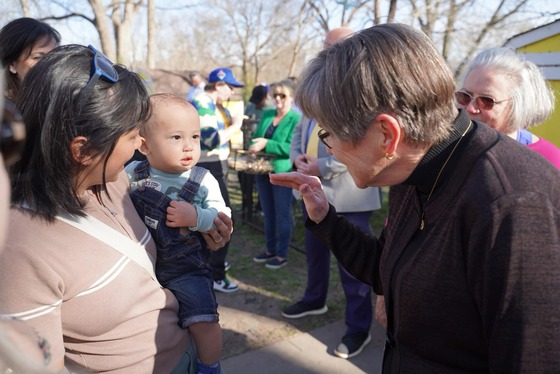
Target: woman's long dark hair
(55,111)
(17,36)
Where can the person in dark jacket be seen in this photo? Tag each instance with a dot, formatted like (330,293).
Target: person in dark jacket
(469,257)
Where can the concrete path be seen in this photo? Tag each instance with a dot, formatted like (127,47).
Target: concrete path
(310,353)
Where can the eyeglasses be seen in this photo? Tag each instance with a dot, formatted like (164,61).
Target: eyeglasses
(482,102)
(102,69)
(12,134)
(323,135)
(280,95)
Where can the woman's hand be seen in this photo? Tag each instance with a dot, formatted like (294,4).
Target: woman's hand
(216,239)
(380,314)
(311,190)
(257,145)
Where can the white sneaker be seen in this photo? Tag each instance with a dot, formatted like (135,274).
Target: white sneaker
(225,285)
(352,344)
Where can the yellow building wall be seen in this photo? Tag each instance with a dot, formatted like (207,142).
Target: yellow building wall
(236,107)
(551,44)
(550,129)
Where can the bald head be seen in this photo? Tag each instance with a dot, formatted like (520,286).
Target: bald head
(336,35)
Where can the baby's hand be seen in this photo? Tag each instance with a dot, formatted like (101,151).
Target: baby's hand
(181,214)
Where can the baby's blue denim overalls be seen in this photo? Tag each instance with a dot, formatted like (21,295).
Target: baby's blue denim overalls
(182,260)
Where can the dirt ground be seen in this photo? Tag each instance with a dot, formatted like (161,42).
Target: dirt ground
(250,320)
(251,317)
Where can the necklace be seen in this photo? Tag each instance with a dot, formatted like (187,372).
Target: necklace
(439,174)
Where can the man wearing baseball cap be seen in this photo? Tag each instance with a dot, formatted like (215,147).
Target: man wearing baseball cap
(224,75)
(216,129)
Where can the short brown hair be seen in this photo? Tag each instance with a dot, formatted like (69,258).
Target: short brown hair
(390,68)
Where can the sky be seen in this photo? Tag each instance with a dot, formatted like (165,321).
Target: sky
(77,30)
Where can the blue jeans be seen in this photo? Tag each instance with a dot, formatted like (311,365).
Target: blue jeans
(182,260)
(276,204)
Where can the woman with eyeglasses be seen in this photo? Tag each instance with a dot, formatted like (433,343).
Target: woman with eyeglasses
(508,93)
(78,261)
(23,42)
(468,260)
(273,136)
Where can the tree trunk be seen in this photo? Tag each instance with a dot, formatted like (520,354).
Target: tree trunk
(122,23)
(102,25)
(152,34)
(25,8)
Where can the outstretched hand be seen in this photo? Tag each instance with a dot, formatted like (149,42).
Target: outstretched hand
(311,190)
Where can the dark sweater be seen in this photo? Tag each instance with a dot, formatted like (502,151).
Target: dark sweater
(478,290)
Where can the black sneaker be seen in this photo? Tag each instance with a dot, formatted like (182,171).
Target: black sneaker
(352,344)
(276,263)
(263,257)
(300,309)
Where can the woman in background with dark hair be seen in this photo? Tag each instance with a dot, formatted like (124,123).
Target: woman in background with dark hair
(257,102)
(23,42)
(82,115)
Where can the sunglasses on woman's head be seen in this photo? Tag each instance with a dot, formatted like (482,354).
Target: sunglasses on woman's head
(482,102)
(102,68)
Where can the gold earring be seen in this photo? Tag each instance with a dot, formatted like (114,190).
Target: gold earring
(389,156)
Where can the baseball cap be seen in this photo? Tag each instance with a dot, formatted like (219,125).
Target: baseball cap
(258,94)
(223,75)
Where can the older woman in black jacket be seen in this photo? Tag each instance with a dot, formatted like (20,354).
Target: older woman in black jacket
(468,260)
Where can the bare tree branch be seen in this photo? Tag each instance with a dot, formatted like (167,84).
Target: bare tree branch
(25,8)
(66,16)
(322,19)
(494,21)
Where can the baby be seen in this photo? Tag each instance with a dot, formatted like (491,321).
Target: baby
(178,201)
